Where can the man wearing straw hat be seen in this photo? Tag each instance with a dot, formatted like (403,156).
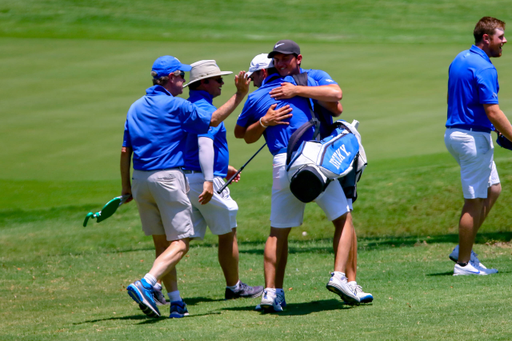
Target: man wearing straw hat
(206,166)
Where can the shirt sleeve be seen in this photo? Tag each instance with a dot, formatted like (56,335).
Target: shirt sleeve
(245,118)
(488,86)
(194,119)
(126,137)
(321,77)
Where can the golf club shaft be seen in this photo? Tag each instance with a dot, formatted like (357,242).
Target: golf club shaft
(241,169)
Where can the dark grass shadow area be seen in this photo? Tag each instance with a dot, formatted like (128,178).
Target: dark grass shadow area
(195,300)
(143,318)
(305,308)
(377,243)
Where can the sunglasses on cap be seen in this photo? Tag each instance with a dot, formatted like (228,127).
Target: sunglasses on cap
(179,73)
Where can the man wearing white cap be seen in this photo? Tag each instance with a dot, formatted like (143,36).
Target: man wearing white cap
(258,69)
(206,165)
(155,131)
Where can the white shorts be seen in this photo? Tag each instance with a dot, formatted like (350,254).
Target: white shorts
(474,152)
(163,204)
(288,211)
(219,214)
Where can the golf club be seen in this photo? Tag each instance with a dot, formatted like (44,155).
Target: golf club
(107,210)
(241,168)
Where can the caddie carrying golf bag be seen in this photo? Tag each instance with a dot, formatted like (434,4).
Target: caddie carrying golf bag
(339,156)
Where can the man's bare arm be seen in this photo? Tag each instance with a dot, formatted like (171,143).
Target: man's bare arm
(327,93)
(239,131)
(499,120)
(242,88)
(126,156)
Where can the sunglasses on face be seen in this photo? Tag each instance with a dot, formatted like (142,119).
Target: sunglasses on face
(219,80)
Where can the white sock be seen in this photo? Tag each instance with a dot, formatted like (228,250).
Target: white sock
(174,296)
(150,279)
(157,286)
(340,275)
(354,283)
(235,287)
(271,292)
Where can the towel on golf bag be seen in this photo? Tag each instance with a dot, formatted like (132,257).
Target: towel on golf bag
(316,163)
(503,142)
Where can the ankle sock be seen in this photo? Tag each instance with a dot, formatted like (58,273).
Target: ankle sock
(235,287)
(150,279)
(174,296)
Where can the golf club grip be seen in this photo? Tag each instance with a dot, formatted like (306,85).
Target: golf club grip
(238,172)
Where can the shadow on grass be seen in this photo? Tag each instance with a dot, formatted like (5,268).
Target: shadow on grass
(448,273)
(196,300)
(143,318)
(384,242)
(305,308)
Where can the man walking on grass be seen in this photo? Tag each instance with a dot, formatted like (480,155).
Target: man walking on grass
(206,165)
(473,112)
(155,133)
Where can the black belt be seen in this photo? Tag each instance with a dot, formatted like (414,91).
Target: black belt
(187,171)
(470,128)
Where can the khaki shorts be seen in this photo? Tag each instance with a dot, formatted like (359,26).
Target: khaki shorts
(219,214)
(288,211)
(163,203)
(474,152)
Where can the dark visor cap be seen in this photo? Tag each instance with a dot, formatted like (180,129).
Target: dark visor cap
(285,47)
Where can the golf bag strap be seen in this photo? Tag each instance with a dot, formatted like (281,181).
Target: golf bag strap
(296,137)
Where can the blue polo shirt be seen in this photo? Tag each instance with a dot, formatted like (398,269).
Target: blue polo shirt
(259,101)
(204,100)
(156,127)
(472,82)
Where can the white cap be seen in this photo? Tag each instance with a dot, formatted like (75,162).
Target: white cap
(205,69)
(260,62)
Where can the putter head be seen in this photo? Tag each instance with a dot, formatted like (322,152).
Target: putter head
(109,209)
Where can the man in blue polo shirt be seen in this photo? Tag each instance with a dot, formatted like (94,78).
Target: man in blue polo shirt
(473,112)
(287,211)
(325,95)
(206,165)
(155,132)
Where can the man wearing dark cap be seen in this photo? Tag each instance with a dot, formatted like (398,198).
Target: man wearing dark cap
(155,131)
(287,59)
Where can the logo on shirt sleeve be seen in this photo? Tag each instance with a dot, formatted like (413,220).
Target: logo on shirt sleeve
(494,95)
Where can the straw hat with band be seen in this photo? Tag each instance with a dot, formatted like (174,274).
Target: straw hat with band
(205,69)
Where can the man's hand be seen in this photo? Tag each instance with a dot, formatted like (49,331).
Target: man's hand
(207,194)
(125,191)
(275,117)
(232,171)
(285,91)
(242,83)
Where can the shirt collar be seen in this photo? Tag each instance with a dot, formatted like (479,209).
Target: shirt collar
(271,78)
(480,52)
(157,89)
(200,94)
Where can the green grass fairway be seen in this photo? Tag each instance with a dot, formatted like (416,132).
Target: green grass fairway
(70,70)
